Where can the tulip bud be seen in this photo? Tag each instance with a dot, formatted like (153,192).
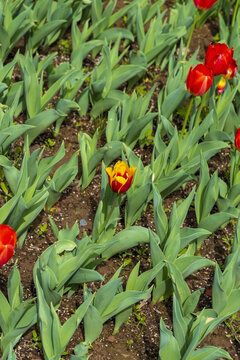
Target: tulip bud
(199,80)
(221,85)
(237,139)
(120,177)
(8,239)
(204,4)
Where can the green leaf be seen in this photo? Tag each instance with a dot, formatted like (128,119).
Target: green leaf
(189,264)
(209,353)
(71,324)
(136,203)
(219,296)
(169,348)
(93,324)
(160,218)
(105,295)
(40,122)
(126,239)
(40,34)
(15,291)
(180,324)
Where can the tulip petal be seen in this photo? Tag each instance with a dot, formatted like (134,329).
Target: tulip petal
(237,139)
(6,252)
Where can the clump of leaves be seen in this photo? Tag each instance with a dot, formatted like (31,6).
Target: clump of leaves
(37,343)
(42,231)
(65,46)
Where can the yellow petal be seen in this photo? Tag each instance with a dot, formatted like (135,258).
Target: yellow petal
(121,180)
(109,171)
(132,171)
(121,167)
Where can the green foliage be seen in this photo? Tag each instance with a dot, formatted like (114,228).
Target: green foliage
(43,230)
(32,188)
(103,69)
(37,343)
(111,300)
(16,315)
(54,336)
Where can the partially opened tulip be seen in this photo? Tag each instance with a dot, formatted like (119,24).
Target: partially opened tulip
(120,177)
(220,58)
(204,4)
(8,239)
(199,80)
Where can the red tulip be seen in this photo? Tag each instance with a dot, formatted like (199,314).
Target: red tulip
(218,58)
(120,177)
(237,139)
(199,80)
(231,70)
(204,4)
(8,239)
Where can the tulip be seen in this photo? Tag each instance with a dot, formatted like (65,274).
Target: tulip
(237,139)
(219,58)
(231,70)
(204,4)
(221,85)
(8,239)
(199,80)
(120,177)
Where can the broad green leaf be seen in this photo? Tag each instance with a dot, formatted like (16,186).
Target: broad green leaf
(169,348)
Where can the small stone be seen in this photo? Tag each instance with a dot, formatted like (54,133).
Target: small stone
(82,222)
(111,338)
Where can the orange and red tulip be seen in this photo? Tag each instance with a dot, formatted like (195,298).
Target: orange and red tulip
(120,177)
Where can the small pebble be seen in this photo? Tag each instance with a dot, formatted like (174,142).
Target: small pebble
(82,222)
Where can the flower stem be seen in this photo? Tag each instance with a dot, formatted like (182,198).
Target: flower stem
(187,116)
(235,13)
(200,109)
(190,36)
(110,213)
(233,174)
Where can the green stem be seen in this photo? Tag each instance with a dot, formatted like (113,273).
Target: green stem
(110,213)
(236,168)
(190,36)
(187,116)
(235,13)
(219,101)
(200,109)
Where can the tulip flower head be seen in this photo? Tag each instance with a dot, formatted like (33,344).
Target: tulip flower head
(8,239)
(237,139)
(220,59)
(221,85)
(120,177)
(199,80)
(204,4)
